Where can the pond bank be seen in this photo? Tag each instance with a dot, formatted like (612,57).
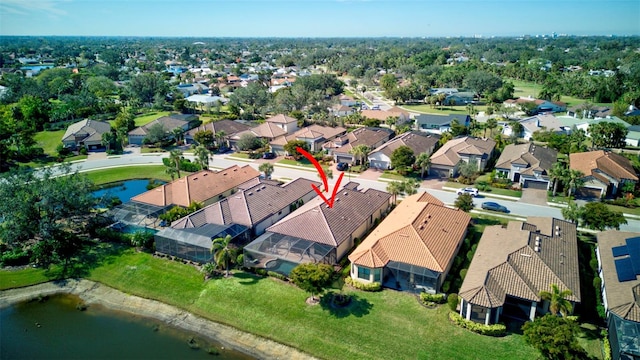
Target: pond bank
(96,293)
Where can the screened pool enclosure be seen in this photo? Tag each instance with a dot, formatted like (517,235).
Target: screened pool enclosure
(403,276)
(195,243)
(281,253)
(138,214)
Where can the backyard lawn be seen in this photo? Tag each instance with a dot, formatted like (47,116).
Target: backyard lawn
(105,176)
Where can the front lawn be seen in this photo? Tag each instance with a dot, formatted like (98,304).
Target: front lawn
(490,191)
(105,176)
(49,141)
(302,162)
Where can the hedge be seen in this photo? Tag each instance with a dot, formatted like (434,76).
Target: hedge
(482,329)
(434,298)
(374,286)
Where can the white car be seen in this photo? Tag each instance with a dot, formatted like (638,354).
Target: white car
(471,191)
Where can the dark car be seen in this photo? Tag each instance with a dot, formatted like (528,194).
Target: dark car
(269,155)
(223,150)
(342,166)
(494,207)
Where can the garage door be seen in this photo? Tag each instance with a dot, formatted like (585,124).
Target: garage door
(588,193)
(377,164)
(443,173)
(541,185)
(344,159)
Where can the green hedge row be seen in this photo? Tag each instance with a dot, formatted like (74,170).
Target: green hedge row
(434,298)
(482,329)
(374,286)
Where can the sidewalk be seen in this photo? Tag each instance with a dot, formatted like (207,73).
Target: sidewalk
(486,194)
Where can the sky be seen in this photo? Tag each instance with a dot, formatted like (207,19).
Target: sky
(318,18)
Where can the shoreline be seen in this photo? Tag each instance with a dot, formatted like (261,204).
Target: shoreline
(95,293)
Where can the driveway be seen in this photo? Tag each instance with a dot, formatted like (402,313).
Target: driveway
(534,196)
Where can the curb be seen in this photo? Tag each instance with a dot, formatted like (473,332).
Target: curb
(505,197)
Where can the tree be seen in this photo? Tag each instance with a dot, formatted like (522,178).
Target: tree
(575,179)
(608,135)
(572,212)
(597,216)
(267,169)
(457,129)
(467,169)
(291,147)
(410,186)
(221,137)
(248,142)
(204,137)
(175,158)
(202,156)
(145,86)
(178,134)
(464,202)
(223,252)
(482,82)
(423,161)
(558,302)
(395,188)
(555,337)
(360,152)
(402,157)
(490,124)
(312,278)
(108,139)
(388,83)
(155,134)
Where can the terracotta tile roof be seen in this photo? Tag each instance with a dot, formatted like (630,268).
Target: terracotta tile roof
(623,298)
(508,262)
(281,119)
(315,221)
(418,141)
(249,206)
(532,157)
(381,115)
(265,130)
(420,231)
(614,165)
(229,127)
(200,186)
(448,154)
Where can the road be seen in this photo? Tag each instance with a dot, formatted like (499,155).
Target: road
(517,209)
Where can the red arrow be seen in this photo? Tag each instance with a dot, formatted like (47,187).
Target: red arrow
(315,163)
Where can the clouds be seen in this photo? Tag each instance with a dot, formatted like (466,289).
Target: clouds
(30,7)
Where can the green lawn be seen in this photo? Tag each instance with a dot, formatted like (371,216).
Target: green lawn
(492,190)
(20,278)
(147,117)
(105,176)
(525,89)
(49,140)
(302,162)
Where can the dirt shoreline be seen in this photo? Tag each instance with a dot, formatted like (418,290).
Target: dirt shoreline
(96,293)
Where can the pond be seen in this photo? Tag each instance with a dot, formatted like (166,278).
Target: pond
(55,329)
(124,190)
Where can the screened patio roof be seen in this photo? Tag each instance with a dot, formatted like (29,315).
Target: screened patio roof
(136,213)
(202,236)
(411,269)
(281,246)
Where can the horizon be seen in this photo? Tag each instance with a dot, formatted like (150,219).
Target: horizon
(319,18)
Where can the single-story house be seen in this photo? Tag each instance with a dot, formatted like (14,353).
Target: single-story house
(255,207)
(618,256)
(347,100)
(205,101)
(439,123)
(460,98)
(530,125)
(633,136)
(340,147)
(315,135)
(583,111)
(542,106)
(190,89)
(527,164)
(413,248)
(605,172)
(341,110)
(514,263)
(266,131)
(228,127)
(401,116)
(318,233)
(205,186)
(445,161)
(419,142)
(182,121)
(85,133)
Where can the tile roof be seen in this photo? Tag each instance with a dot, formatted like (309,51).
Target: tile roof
(623,298)
(229,127)
(281,119)
(361,136)
(315,221)
(441,120)
(200,186)
(508,262)
(532,157)
(614,165)
(381,115)
(168,122)
(420,231)
(448,154)
(86,130)
(249,206)
(418,141)
(265,130)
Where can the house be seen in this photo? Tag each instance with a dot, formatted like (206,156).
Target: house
(347,100)
(446,91)
(618,256)
(605,172)
(255,207)
(205,186)
(228,127)
(419,142)
(542,122)
(318,233)
(541,106)
(340,147)
(413,248)
(315,135)
(445,161)
(206,102)
(284,122)
(527,164)
(137,135)
(460,98)
(342,110)
(267,131)
(400,115)
(633,136)
(438,124)
(514,263)
(192,89)
(85,133)
(589,111)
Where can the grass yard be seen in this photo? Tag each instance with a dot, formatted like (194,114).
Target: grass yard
(492,190)
(302,162)
(10,279)
(105,176)
(525,89)
(49,140)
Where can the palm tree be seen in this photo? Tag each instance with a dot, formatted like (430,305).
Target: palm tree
(223,253)
(410,186)
(491,124)
(395,188)
(360,153)
(171,171)
(178,134)
(267,169)
(423,161)
(557,300)
(572,212)
(558,173)
(107,139)
(220,138)
(202,156)
(175,157)
(575,180)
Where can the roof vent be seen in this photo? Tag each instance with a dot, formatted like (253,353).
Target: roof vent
(537,238)
(205,174)
(345,193)
(557,227)
(537,243)
(537,248)
(557,233)
(250,194)
(525,255)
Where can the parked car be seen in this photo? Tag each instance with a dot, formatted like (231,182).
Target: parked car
(223,150)
(489,205)
(342,166)
(269,155)
(471,191)
(375,107)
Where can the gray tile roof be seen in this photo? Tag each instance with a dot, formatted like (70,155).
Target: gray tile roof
(418,141)
(168,122)
(534,158)
(85,130)
(228,126)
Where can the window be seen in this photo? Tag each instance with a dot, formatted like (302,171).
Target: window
(364,273)
(377,275)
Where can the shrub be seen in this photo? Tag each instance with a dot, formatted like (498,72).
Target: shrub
(452,300)
(83,151)
(446,286)
(432,298)
(111,235)
(142,239)
(15,257)
(374,286)
(482,329)
(606,345)
(261,271)
(463,273)
(277,275)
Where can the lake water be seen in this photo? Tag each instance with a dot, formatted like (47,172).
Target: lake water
(55,329)
(124,190)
